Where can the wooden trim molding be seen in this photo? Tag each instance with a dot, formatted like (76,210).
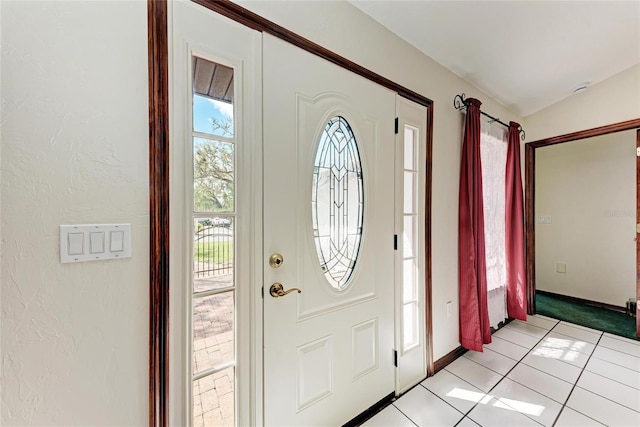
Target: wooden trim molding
(428,297)
(529,223)
(637,239)
(158,63)
(530,194)
(238,13)
(587,133)
(445,360)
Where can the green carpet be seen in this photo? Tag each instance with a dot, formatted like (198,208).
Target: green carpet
(598,318)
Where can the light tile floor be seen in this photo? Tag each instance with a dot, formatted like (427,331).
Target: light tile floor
(539,372)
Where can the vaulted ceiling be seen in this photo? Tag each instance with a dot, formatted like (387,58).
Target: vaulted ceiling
(526,54)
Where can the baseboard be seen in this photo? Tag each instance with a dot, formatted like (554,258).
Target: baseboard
(584,301)
(439,364)
(368,413)
(459,351)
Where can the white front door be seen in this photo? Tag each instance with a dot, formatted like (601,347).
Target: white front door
(328,350)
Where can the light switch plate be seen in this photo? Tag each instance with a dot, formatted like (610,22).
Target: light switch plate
(92,242)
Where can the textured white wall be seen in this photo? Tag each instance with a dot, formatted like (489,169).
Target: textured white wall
(589,190)
(74,150)
(345,30)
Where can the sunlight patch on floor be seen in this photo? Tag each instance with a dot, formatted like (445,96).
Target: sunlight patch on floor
(471,396)
(561,349)
(500,402)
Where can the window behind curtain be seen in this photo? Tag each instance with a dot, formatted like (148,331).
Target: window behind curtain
(493,153)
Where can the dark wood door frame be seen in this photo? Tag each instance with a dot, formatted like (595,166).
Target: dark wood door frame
(158,63)
(637,239)
(530,171)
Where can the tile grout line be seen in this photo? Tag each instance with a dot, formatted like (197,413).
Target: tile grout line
(615,381)
(614,363)
(605,398)
(505,340)
(508,372)
(623,339)
(621,351)
(526,324)
(564,405)
(406,416)
(459,411)
(520,361)
(541,371)
(532,367)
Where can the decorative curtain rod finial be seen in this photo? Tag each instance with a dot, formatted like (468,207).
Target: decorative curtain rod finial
(522,134)
(459,101)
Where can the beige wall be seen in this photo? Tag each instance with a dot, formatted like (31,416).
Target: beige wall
(74,150)
(342,28)
(611,101)
(587,187)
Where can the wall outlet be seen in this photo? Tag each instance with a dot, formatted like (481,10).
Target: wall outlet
(561,267)
(449,308)
(544,219)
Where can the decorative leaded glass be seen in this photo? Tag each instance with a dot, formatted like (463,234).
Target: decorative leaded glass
(337,202)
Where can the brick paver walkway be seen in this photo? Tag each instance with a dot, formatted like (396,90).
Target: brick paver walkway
(213,395)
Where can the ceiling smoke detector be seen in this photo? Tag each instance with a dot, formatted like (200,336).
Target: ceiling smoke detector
(581,87)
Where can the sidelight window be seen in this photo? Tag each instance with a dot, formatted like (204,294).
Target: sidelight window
(213,235)
(410,263)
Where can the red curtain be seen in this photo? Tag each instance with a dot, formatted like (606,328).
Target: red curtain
(474,315)
(514,229)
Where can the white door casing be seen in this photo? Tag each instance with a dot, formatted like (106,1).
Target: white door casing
(328,354)
(195,30)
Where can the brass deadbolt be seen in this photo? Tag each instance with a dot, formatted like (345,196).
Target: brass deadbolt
(276,260)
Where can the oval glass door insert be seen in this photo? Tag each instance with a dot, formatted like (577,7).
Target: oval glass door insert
(337,202)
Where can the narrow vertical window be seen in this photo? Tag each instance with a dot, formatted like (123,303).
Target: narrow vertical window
(410,301)
(214,226)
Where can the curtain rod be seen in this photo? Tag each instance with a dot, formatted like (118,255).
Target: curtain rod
(460,103)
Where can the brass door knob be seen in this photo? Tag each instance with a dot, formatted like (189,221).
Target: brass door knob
(277,290)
